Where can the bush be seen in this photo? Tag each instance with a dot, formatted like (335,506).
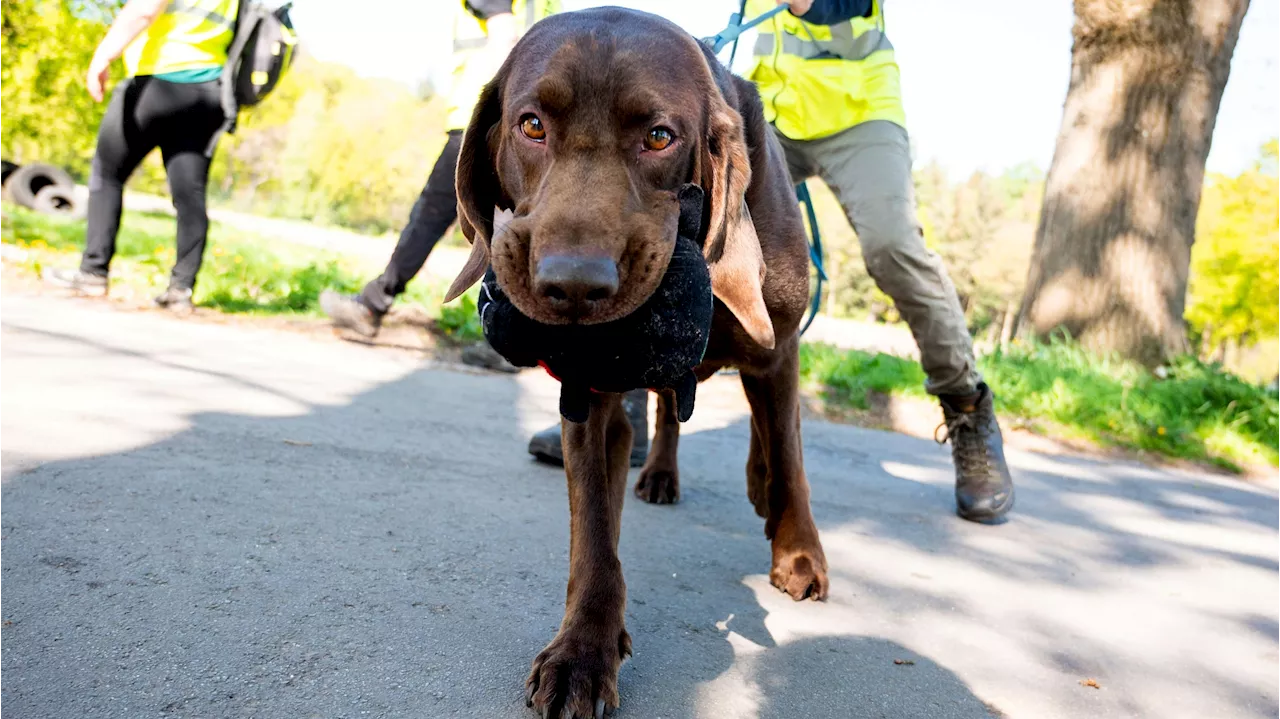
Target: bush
(1235,270)
(461,320)
(1199,411)
(48,114)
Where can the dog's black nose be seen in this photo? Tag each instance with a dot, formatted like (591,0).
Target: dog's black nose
(571,282)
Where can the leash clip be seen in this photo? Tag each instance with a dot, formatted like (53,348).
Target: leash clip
(737,27)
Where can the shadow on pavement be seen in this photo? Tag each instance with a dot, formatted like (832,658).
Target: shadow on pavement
(397,554)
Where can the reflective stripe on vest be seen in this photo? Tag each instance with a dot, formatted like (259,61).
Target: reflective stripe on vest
(211,14)
(189,35)
(842,45)
(470,36)
(817,80)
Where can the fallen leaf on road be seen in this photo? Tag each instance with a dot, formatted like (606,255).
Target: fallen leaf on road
(904,662)
(1091,683)
(297,443)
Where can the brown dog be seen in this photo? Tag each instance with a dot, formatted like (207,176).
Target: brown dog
(592,123)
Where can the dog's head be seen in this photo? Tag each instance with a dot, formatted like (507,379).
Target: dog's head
(579,144)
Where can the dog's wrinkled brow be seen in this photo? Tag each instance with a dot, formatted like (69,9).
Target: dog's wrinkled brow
(639,107)
(553,94)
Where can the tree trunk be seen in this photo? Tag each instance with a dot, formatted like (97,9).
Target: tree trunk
(1113,247)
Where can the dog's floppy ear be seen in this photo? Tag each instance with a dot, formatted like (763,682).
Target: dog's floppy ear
(476,181)
(732,248)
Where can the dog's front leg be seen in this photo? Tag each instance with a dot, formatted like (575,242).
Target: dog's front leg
(577,674)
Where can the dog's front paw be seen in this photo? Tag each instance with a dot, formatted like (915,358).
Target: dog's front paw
(801,573)
(658,486)
(576,676)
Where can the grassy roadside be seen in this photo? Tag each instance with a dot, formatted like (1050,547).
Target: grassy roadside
(1198,412)
(243,273)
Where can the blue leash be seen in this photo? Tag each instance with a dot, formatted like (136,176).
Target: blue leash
(737,27)
(717,42)
(815,252)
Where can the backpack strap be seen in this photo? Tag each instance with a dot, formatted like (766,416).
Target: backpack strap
(247,20)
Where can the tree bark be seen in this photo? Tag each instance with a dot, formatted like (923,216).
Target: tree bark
(1113,246)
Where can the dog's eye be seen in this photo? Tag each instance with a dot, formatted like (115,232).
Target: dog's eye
(659,138)
(532,128)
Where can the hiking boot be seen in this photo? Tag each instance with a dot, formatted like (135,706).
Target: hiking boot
(483,356)
(77,280)
(176,299)
(984,488)
(545,446)
(349,313)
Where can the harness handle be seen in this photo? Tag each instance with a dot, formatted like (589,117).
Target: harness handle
(737,27)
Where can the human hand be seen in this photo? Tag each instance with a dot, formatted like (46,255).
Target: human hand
(96,79)
(798,7)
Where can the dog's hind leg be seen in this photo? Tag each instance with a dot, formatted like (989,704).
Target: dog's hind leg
(799,565)
(578,671)
(659,481)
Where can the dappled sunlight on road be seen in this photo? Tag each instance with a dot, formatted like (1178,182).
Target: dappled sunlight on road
(307,523)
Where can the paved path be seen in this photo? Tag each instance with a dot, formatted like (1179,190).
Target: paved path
(208,520)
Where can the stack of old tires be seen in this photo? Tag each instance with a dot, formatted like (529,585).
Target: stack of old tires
(43,188)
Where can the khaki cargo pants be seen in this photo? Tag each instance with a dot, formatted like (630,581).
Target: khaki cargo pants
(868,167)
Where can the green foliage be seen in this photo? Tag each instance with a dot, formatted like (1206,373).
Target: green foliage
(983,228)
(327,145)
(331,147)
(461,320)
(252,279)
(48,115)
(241,273)
(1198,412)
(1235,263)
(849,376)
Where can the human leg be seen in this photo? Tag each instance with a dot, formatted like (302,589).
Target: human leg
(868,167)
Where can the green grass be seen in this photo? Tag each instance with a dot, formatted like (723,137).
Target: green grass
(242,272)
(848,376)
(1198,412)
(461,319)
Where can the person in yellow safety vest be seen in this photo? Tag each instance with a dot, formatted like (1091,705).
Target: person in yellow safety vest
(830,86)
(174,52)
(484,31)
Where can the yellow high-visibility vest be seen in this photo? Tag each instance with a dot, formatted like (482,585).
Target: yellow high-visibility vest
(817,80)
(470,35)
(190,35)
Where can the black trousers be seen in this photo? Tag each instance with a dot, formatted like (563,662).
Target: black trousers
(432,215)
(146,113)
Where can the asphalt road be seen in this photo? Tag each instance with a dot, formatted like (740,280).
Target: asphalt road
(212,520)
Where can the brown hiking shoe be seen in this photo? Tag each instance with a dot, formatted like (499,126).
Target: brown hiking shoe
(984,487)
